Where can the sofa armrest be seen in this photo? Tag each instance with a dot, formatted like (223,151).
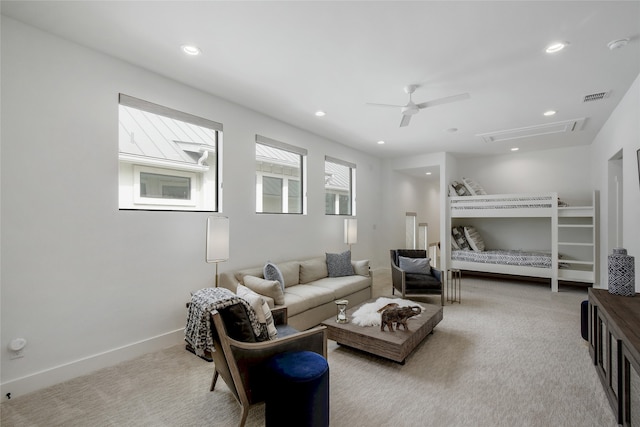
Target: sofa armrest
(437,274)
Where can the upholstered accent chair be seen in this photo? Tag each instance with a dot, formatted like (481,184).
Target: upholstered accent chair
(412,274)
(242,364)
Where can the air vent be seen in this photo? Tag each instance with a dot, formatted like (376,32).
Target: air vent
(537,130)
(595,96)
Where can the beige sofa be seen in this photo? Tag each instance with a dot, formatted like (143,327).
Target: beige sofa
(309,294)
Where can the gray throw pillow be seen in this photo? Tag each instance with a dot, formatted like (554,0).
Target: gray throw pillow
(414,265)
(272,272)
(339,265)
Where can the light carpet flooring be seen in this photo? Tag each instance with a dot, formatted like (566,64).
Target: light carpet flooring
(510,354)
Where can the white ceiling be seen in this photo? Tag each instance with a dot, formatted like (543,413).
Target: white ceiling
(289,59)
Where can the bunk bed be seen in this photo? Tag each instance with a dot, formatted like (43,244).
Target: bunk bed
(560,261)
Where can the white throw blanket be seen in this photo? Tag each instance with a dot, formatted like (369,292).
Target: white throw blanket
(368,315)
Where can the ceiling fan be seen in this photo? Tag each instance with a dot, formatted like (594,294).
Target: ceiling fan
(411,108)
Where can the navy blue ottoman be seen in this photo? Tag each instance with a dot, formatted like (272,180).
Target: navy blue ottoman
(299,384)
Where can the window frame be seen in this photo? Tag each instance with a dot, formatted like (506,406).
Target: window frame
(337,194)
(302,153)
(194,189)
(212,153)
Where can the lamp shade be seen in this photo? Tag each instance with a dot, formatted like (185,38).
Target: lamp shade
(217,238)
(351,231)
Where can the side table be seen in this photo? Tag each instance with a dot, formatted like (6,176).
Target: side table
(454,279)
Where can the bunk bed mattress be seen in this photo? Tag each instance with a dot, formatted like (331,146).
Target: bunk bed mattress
(504,257)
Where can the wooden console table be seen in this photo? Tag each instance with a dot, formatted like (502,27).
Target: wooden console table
(614,345)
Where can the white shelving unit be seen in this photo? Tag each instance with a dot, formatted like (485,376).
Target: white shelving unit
(577,243)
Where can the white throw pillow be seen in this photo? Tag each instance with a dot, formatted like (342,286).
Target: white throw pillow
(474,239)
(414,265)
(260,306)
(270,288)
(361,267)
(474,188)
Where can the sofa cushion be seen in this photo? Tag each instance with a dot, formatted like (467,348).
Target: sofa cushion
(260,306)
(270,288)
(361,267)
(313,269)
(300,298)
(416,282)
(272,272)
(339,265)
(255,272)
(343,286)
(290,272)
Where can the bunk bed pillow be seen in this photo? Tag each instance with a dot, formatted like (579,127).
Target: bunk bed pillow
(474,188)
(459,237)
(459,189)
(474,239)
(454,244)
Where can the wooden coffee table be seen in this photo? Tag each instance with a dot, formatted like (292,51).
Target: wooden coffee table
(394,345)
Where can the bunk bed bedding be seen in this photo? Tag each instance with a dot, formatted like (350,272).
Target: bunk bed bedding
(503,257)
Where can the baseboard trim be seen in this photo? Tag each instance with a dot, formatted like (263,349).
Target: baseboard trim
(48,377)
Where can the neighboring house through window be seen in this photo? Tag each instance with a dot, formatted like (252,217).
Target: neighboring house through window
(168,160)
(280,183)
(339,184)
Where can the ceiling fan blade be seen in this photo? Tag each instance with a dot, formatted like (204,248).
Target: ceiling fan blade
(384,105)
(445,100)
(405,120)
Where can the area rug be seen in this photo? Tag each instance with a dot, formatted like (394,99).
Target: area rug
(368,315)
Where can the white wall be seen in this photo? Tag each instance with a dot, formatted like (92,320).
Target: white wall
(403,193)
(88,285)
(532,172)
(620,132)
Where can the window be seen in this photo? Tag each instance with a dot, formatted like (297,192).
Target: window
(168,160)
(339,184)
(279,177)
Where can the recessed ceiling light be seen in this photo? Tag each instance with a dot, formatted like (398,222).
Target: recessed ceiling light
(556,47)
(427,173)
(320,113)
(380,142)
(191,49)
(549,113)
(617,44)
(515,149)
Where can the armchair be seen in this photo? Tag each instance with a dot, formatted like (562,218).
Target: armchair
(415,281)
(241,364)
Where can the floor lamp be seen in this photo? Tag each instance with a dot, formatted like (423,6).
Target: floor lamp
(217,241)
(350,231)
